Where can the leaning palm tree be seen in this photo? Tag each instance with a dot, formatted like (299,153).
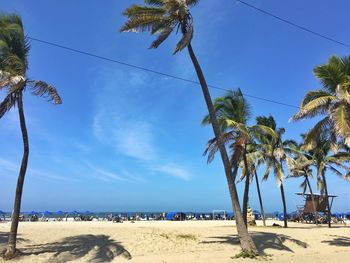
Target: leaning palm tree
(164,17)
(14,49)
(274,151)
(332,102)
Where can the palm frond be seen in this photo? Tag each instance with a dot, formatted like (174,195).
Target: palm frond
(42,89)
(314,107)
(8,103)
(314,134)
(162,37)
(185,40)
(141,23)
(340,114)
(331,74)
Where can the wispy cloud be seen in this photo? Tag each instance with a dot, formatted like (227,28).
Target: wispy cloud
(11,168)
(103,174)
(127,122)
(173,170)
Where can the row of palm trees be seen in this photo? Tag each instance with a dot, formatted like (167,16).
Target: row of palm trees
(262,143)
(250,146)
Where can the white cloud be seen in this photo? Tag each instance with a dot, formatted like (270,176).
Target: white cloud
(104,175)
(12,168)
(174,170)
(126,121)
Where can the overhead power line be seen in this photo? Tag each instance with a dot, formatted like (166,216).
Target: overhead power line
(151,70)
(294,24)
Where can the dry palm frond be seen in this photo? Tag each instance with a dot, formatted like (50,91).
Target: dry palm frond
(42,89)
(8,103)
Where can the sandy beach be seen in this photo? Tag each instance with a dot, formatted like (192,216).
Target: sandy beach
(170,242)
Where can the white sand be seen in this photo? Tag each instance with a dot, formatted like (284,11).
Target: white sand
(173,242)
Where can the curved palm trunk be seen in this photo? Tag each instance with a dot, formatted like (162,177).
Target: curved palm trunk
(246,190)
(327,200)
(284,205)
(246,241)
(312,199)
(11,247)
(260,199)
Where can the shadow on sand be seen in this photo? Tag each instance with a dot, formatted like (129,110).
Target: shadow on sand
(4,237)
(262,240)
(338,241)
(97,248)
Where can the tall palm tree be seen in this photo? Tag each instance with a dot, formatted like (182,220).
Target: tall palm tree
(274,151)
(163,17)
(232,112)
(14,49)
(325,161)
(332,102)
(233,108)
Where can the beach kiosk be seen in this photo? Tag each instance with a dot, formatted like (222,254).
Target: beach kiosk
(306,212)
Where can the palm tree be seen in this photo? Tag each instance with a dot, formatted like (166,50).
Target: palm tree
(332,102)
(254,159)
(232,112)
(300,166)
(14,49)
(163,17)
(233,107)
(274,151)
(324,161)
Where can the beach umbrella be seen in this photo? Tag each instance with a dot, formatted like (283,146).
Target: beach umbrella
(87,212)
(32,213)
(74,212)
(59,213)
(2,213)
(47,213)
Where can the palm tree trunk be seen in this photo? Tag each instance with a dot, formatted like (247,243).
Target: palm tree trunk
(11,247)
(312,199)
(327,200)
(246,241)
(260,199)
(284,206)
(246,190)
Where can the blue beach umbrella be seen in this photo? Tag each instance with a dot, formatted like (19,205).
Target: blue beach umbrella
(2,213)
(32,213)
(74,212)
(59,213)
(87,212)
(47,213)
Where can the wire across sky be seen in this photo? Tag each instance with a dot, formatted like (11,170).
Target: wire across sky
(305,29)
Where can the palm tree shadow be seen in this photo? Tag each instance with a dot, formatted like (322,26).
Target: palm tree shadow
(338,241)
(98,248)
(4,237)
(263,241)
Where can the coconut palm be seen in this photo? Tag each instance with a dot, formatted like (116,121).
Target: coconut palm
(325,161)
(332,102)
(14,49)
(274,150)
(232,112)
(232,108)
(163,17)
(254,159)
(300,166)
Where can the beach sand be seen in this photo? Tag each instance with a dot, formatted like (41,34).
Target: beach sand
(173,242)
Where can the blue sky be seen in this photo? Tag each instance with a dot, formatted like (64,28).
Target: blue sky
(125,139)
